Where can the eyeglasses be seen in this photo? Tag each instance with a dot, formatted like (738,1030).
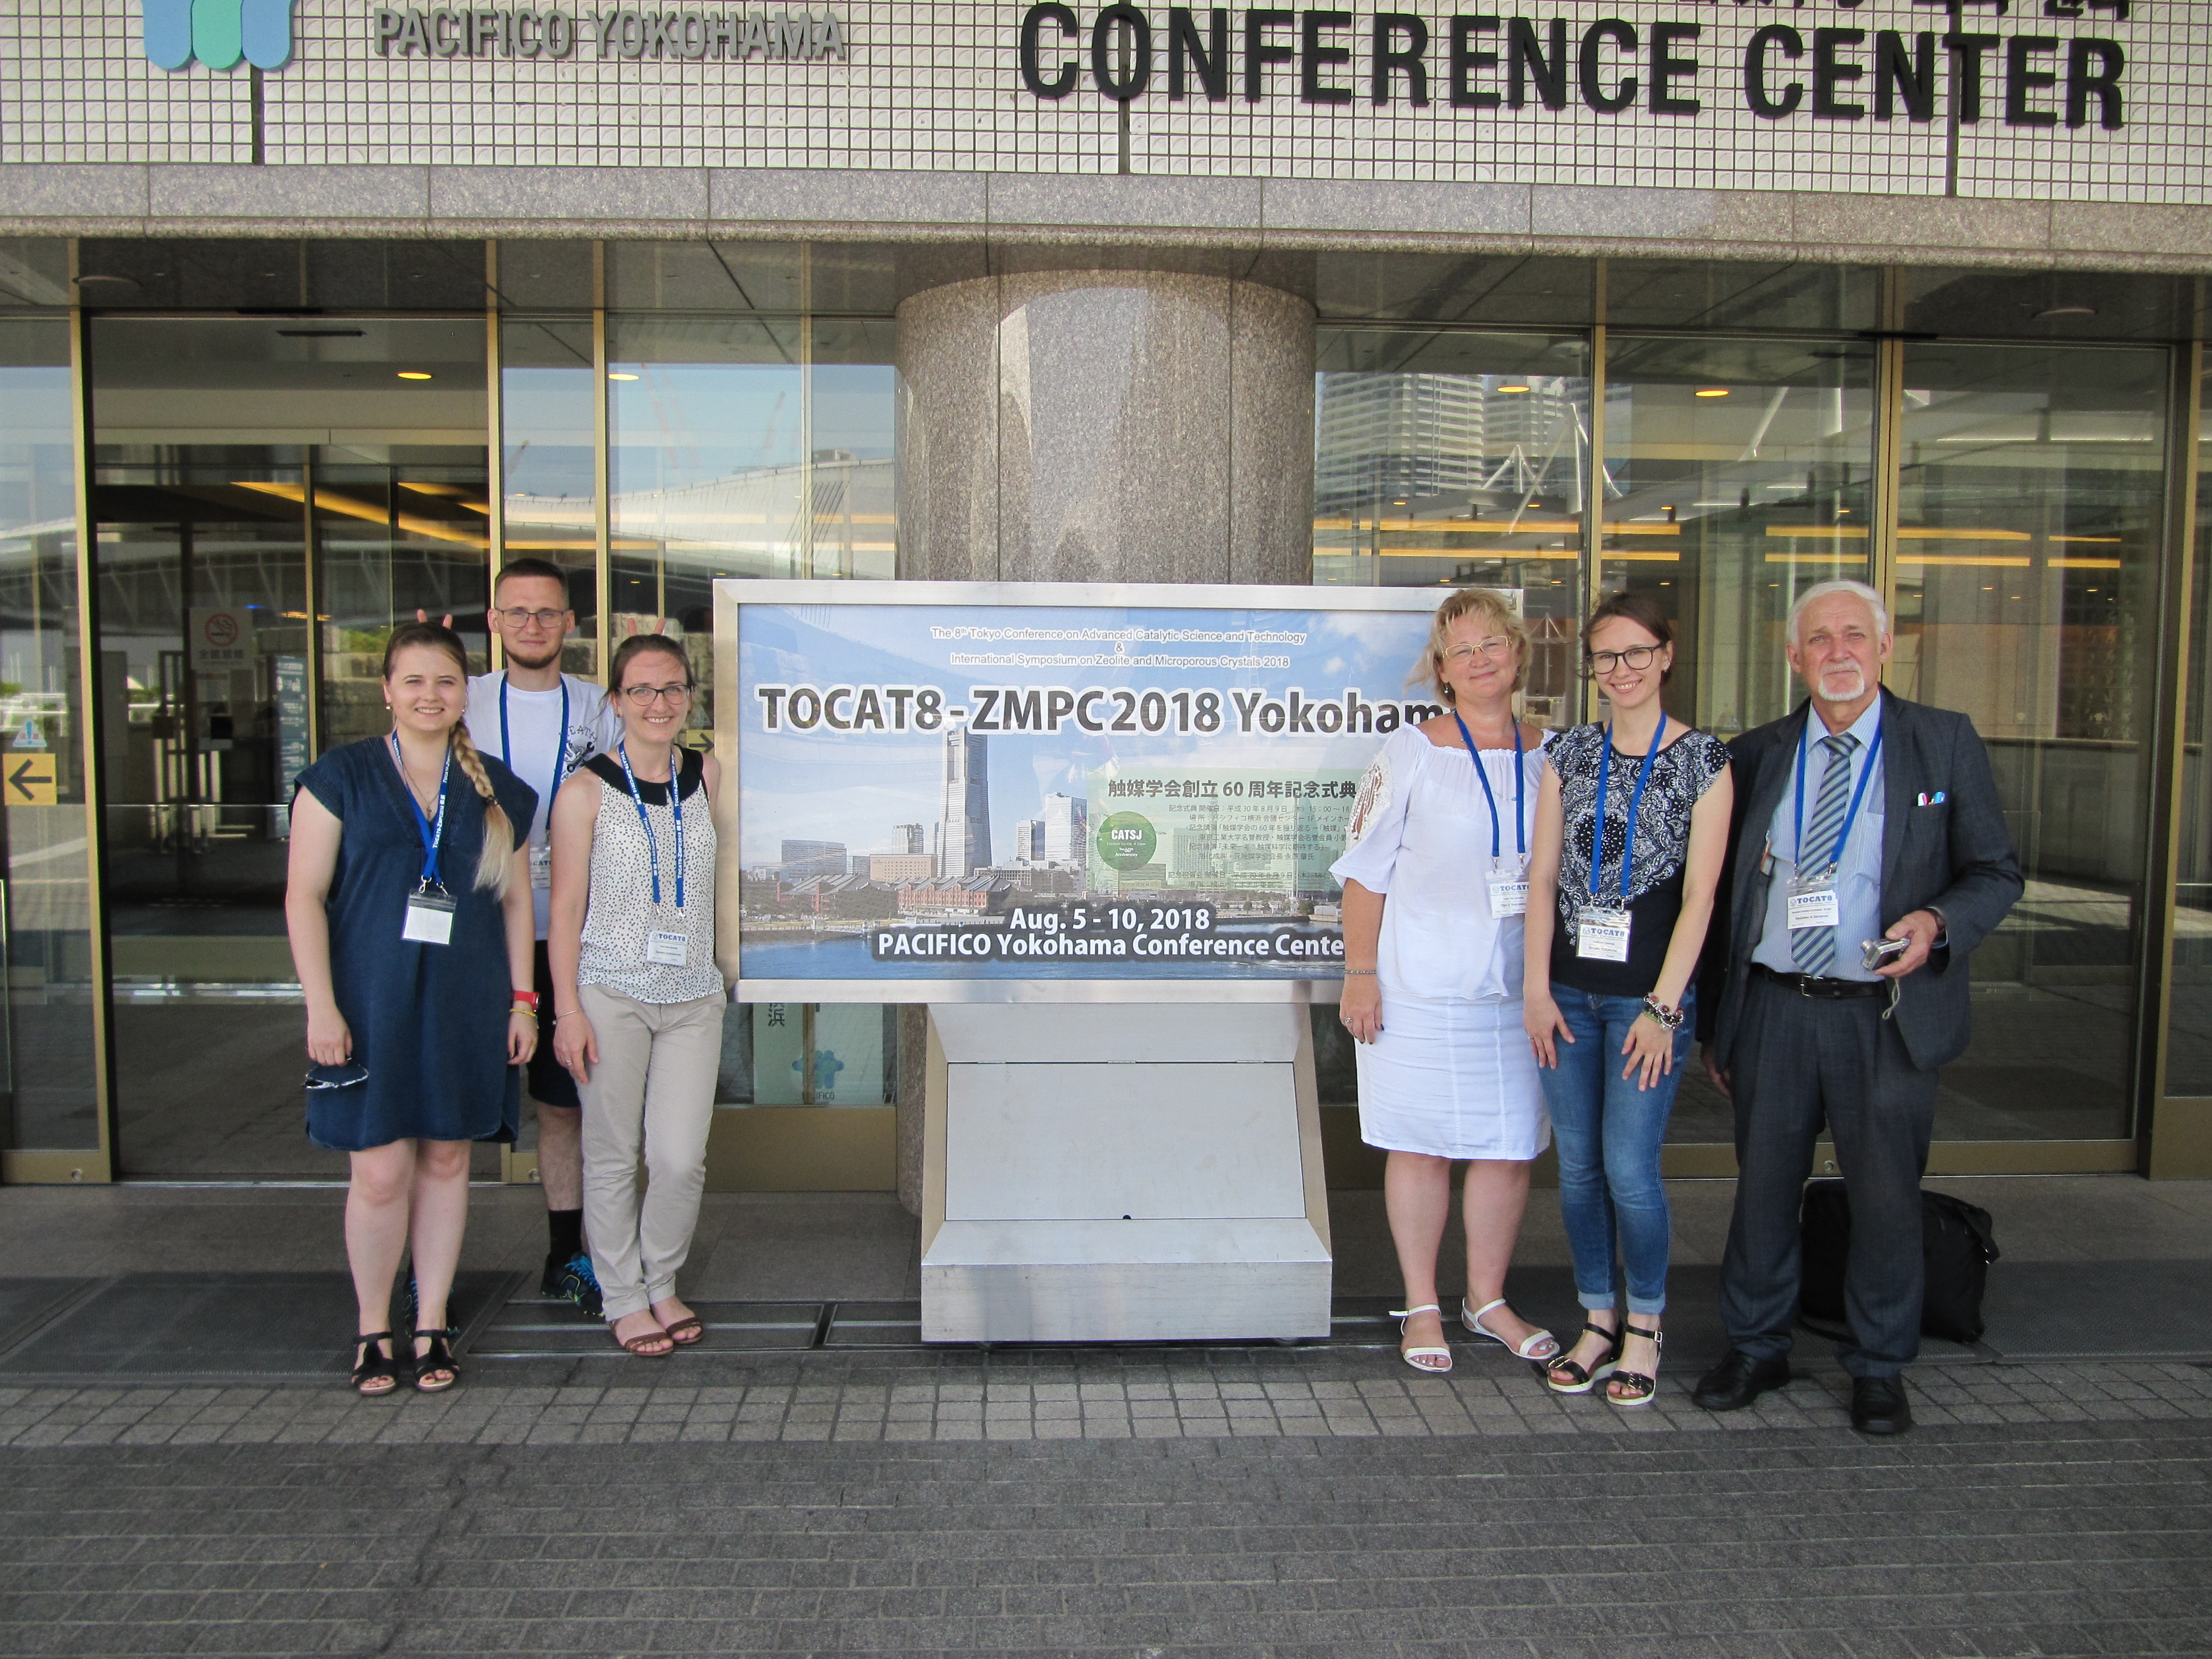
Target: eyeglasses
(1599,664)
(1496,649)
(337,1076)
(646,696)
(518,620)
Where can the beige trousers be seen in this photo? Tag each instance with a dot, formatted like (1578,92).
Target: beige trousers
(651,1098)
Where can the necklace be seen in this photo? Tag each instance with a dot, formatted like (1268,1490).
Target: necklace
(427,799)
(669,760)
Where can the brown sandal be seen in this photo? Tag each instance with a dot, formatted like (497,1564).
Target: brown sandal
(686,1330)
(641,1344)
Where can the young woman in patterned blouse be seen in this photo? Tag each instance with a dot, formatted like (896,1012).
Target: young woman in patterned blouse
(1631,831)
(638,998)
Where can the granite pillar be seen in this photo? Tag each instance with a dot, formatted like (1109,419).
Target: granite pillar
(1098,426)
(1105,426)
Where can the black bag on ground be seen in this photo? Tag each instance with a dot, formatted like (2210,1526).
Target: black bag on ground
(1958,1243)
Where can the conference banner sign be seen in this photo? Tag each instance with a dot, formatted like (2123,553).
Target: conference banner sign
(998,791)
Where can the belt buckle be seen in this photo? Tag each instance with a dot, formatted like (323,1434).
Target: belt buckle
(1805,986)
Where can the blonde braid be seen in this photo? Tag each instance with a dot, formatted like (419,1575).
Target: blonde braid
(497,862)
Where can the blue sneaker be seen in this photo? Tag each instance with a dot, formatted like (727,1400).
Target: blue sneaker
(573,1281)
(411,1303)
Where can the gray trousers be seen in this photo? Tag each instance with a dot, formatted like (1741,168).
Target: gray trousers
(651,1098)
(1798,1062)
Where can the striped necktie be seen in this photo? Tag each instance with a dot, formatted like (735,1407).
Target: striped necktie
(1814,948)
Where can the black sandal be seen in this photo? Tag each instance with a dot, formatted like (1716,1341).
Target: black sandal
(1644,1386)
(1584,1381)
(374,1364)
(439,1358)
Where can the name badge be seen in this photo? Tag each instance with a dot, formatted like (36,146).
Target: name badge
(1814,903)
(1509,888)
(1602,935)
(666,949)
(541,865)
(429,917)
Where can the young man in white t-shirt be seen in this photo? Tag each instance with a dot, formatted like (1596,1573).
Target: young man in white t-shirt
(519,716)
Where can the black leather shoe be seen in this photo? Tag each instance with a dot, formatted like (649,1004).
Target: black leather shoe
(1879,1405)
(1738,1379)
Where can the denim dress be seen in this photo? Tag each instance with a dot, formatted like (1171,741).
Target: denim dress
(428,1021)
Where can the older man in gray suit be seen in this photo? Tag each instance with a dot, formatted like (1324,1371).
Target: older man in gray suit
(1860,818)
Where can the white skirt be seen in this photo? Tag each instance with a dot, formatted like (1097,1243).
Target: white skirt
(1452,1079)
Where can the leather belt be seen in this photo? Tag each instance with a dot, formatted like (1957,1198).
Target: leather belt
(1825,990)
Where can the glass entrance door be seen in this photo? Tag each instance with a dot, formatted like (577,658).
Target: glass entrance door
(49,1081)
(2030,493)
(268,498)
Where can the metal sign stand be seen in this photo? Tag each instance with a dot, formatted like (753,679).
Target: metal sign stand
(1121,1173)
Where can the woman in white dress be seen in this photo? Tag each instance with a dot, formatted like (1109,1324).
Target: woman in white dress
(1435,874)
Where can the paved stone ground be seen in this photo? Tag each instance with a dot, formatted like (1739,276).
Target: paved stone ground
(1096,1395)
(2041,1539)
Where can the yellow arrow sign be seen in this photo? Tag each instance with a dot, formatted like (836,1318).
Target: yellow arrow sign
(30,779)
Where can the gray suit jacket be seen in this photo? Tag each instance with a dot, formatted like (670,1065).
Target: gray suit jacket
(1955,855)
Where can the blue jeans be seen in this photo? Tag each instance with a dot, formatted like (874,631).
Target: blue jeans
(1608,1131)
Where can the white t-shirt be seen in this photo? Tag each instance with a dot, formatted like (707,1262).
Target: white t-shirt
(529,743)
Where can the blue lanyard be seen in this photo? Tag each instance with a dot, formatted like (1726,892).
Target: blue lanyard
(1858,794)
(560,755)
(1635,806)
(1520,792)
(433,830)
(675,805)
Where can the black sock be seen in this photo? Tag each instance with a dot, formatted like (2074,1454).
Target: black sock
(566,1229)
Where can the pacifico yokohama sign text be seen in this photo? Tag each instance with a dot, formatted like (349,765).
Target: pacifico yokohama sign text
(623,32)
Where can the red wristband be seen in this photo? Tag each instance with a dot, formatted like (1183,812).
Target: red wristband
(528,1000)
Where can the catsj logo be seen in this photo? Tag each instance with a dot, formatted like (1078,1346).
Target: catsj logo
(218,32)
(1127,841)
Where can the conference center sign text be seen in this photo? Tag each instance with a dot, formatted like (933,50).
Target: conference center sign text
(2023,77)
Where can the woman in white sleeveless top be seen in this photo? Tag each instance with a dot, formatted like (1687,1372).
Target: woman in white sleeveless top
(638,1000)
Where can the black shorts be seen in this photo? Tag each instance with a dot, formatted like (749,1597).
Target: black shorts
(550,1083)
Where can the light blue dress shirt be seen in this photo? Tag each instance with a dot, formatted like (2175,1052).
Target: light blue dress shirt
(1858,875)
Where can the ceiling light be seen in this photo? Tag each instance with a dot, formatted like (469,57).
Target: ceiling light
(111,278)
(1710,392)
(1513,388)
(2056,312)
(613,376)
(413,375)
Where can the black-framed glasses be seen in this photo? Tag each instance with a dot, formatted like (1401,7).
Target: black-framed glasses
(520,619)
(1599,664)
(336,1076)
(646,696)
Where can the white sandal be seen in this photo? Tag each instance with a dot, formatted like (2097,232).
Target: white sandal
(1414,1355)
(1537,1346)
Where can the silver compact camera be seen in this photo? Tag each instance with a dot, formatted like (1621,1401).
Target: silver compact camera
(1878,953)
